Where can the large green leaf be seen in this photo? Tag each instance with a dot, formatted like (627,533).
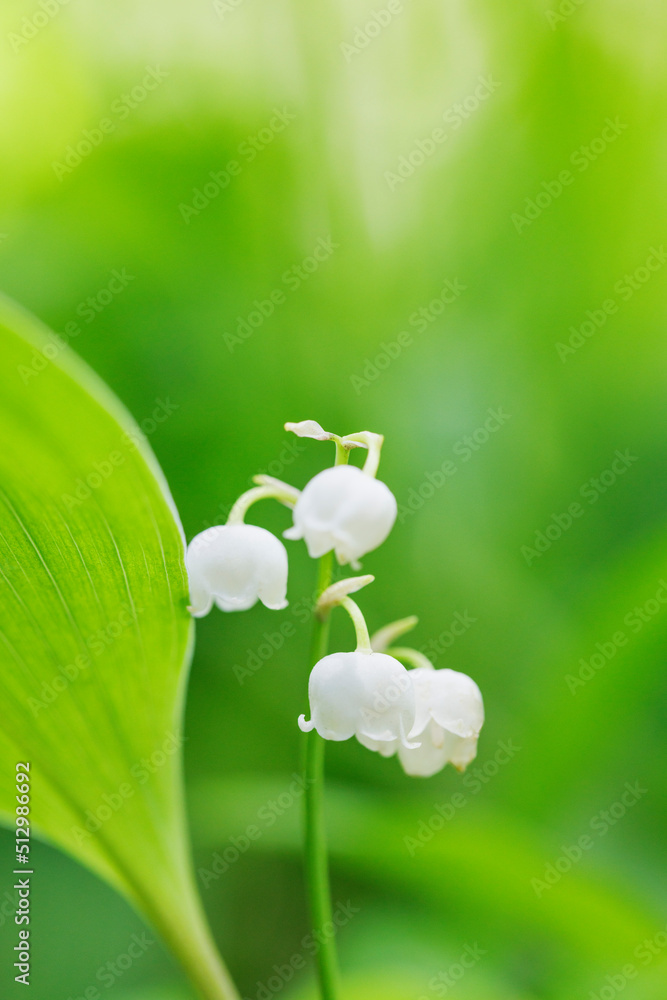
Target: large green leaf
(95,636)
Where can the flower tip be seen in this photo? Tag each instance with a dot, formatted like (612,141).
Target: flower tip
(305,727)
(199,609)
(343,559)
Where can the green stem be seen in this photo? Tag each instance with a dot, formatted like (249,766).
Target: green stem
(359,622)
(317,868)
(267,491)
(163,889)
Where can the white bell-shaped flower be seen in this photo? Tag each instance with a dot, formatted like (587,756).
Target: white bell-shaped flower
(345,509)
(361,694)
(449,717)
(234,565)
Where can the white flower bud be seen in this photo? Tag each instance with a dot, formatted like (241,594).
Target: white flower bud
(344,509)
(234,565)
(449,717)
(361,694)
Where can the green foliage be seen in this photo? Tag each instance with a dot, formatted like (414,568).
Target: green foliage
(95,632)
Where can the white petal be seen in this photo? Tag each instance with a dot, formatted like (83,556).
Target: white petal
(344,509)
(423,761)
(388,709)
(363,694)
(456,703)
(421,680)
(366,516)
(461,751)
(438,748)
(234,565)
(273,570)
(244,603)
(305,727)
(319,542)
(201,601)
(335,690)
(386,748)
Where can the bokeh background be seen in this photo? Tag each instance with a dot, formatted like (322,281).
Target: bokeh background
(328,110)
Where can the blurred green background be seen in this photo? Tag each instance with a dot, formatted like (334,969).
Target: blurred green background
(547,221)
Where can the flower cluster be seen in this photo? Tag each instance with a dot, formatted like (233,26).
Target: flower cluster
(427,717)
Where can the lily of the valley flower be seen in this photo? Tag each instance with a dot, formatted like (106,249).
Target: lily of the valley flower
(344,509)
(363,694)
(234,566)
(449,717)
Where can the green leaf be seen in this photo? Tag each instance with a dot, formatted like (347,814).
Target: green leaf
(95,637)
